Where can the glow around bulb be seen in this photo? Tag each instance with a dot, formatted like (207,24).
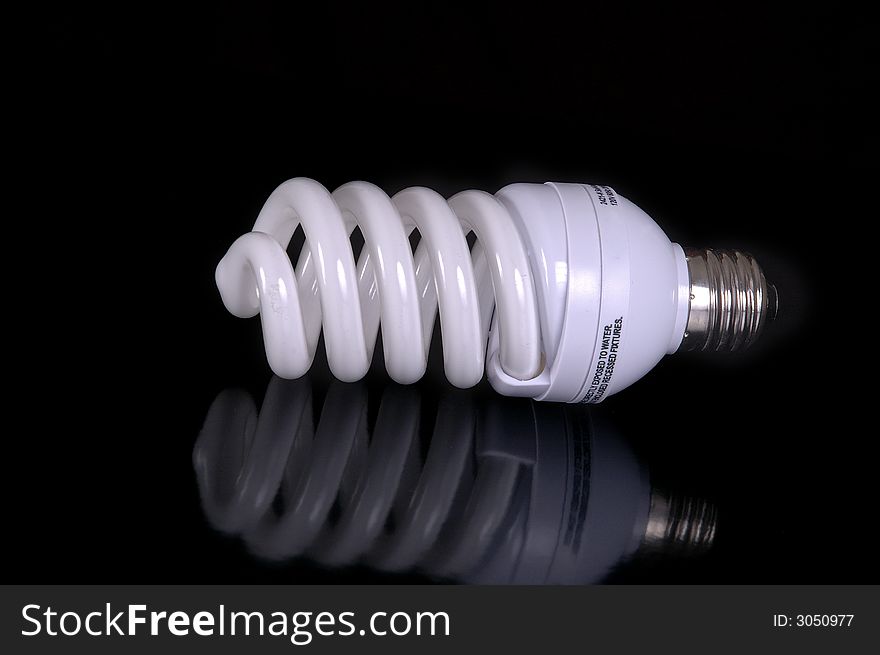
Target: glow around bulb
(570,293)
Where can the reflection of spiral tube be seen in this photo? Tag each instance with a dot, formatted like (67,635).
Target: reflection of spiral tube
(513,491)
(328,291)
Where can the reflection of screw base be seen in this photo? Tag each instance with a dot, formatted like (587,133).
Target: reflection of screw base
(730,300)
(679,525)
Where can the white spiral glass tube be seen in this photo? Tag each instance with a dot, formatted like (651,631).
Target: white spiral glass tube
(570,292)
(389,284)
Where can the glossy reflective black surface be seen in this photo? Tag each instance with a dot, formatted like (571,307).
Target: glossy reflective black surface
(157,138)
(467,486)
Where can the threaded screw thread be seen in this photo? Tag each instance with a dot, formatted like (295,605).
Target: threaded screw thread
(730,300)
(679,525)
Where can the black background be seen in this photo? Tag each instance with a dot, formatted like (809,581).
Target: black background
(152,139)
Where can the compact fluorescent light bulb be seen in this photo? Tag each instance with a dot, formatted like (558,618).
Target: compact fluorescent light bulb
(570,293)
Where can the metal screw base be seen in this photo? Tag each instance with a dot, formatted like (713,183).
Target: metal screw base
(679,525)
(730,300)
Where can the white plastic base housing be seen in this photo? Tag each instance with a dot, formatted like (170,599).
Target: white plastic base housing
(613,291)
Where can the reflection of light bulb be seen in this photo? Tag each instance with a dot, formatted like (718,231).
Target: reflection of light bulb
(510,491)
(571,292)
